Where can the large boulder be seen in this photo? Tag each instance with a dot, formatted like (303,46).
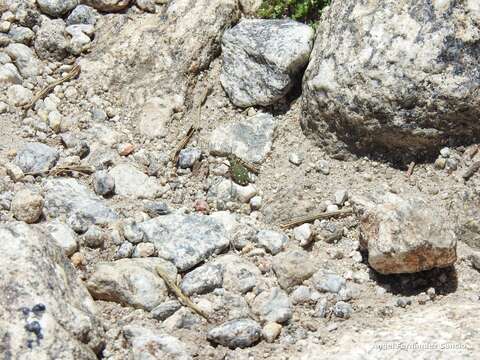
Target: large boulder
(405,235)
(45,311)
(262,59)
(399,75)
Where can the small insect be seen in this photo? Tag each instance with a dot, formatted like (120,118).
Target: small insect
(240,170)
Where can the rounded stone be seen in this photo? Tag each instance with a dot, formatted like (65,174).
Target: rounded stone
(27,206)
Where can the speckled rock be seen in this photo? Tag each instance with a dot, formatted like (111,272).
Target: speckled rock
(56,8)
(239,275)
(262,59)
(293,268)
(406,235)
(129,181)
(273,306)
(186,240)
(27,206)
(202,280)
(36,158)
(132,282)
(239,333)
(272,241)
(250,140)
(45,310)
(401,76)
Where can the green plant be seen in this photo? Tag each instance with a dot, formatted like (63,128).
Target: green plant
(307,11)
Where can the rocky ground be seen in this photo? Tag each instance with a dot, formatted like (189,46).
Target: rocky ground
(93,202)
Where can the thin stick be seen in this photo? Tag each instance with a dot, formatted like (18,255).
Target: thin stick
(46,90)
(471,170)
(309,218)
(411,167)
(180,295)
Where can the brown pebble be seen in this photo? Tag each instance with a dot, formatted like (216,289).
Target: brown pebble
(126,149)
(78,259)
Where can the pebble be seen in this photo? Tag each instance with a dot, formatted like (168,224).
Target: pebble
(166,309)
(271,331)
(403,302)
(133,233)
(273,305)
(202,280)
(340,197)
(82,14)
(14,171)
(272,241)
(27,206)
(201,206)
(36,157)
(321,308)
(143,250)
(324,167)
(238,333)
(124,251)
(445,152)
(328,282)
(63,236)
(296,159)
(440,163)
(125,149)
(94,237)
(342,310)
(301,295)
(78,259)
(188,157)
(293,268)
(256,202)
(103,183)
(331,208)
(303,234)
(154,209)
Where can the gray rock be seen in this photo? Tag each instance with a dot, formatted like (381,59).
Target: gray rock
(103,183)
(132,282)
(234,304)
(50,41)
(370,84)
(129,181)
(166,309)
(82,14)
(239,333)
(144,250)
(19,95)
(271,331)
(273,306)
(188,157)
(27,206)
(64,236)
(293,268)
(406,235)
(183,318)
(295,159)
(250,140)
(328,282)
(108,5)
(44,303)
(263,58)
(133,233)
(21,34)
(9,74)
(186,240)
(342,310)
(156,208)
(340,197)
(202,280)
(125,250)
(272,241)
(151,344)
(321,309)
(56,8)
(69,197)
(301,295)
(239,275)
(24,59)
(256,202)
(94,238)
(36,158)
(303,234)
(245,235)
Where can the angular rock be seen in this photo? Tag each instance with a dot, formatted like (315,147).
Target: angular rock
(82,14)
(188,157)
(56,8)
(50,41)
(64,236)
(165,309)
(129,181)
(273,306)
(250,140)
(325,281)
(272,241)
(239,275)
(132,282)
(45,310)
(24,59)
(293,268)
(186,240)
(103,183)
(262,59)
(154,117)
(9,74)
(108,5)
(239,333)
(202,280)
(398,78)
(69,197)
(36,158)
(151,344)
(18,95)
(406,235)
